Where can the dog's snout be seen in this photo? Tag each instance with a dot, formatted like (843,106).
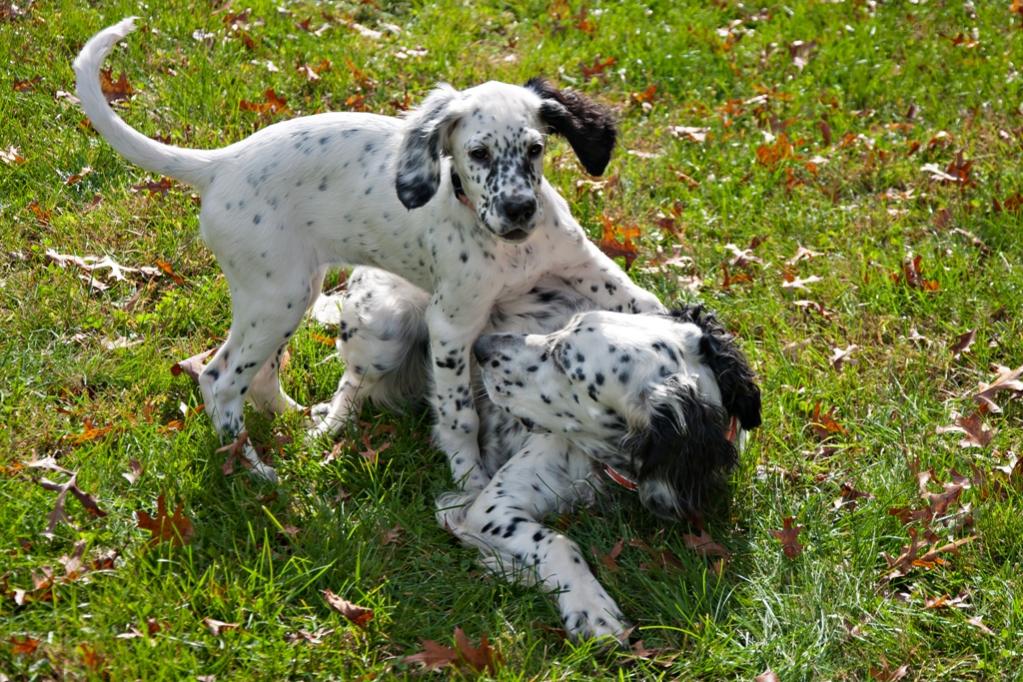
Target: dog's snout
(519,209)
(488,345)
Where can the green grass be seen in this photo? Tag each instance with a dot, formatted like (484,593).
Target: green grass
(883,81)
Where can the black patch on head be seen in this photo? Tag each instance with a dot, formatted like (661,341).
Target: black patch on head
(685,449)
(588,126)
(740,394)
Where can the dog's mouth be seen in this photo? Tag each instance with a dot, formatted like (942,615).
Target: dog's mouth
(515,236)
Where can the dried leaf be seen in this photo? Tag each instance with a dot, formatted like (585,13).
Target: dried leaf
(693,134)
(11,156)
(802,253)
(134,471)
(848,496)
(766,676)
(839,356)
(976,433)
(771,155)
(886,674)
(114,91)
(479,658)
(963,343)
(434,656)
(611,245)
(271,104)
(598,67)
(789,537)
(1005,380)
(62,489)
(979,624)
(217,627)
(704,545)
(161,186)
(824,423)
(799,282)
(610,560)
(24,646)
(359,615)
(176,529)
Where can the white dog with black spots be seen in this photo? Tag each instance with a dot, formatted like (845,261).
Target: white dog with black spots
(570,397)
(451,197)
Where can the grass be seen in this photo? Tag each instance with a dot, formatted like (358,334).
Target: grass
(878,86)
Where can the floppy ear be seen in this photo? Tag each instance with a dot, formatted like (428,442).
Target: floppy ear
(740,394)
(426,131)
(589,127)
(684,453)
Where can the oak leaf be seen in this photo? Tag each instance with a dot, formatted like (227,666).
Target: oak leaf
(613,246)
(359,615)
(1005,380)
(176,528)
(789,537)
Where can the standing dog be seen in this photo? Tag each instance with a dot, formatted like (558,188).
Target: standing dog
(573,396)
(452,198)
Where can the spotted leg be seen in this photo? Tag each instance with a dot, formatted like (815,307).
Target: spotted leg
(599,279)
(456,422)
(503,521)
(263,320)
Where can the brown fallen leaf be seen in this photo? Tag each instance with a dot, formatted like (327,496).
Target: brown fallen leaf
(358,615)
(824,423)
(271,104)
(886,674)
(11,156)
(848,496)
(114,91)
(771,154)
(26,84)
(217,627)
(598,67)
(161,186)
(434,656)
(766,676)
(176,528)
(62,489)
(976,434)
(963,343)
(839,356)
(694,134)
(616,240)
(704,545)
(479,658)
(799,282)
(789,537)
(1005,380)
(802,253)
(979,624)
(134,471)
(73,565)
(913,276)
(610,560)
(24,646)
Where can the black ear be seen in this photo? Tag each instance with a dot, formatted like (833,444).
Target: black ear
(426,130)
(589,127)
(684,454)
(740,394)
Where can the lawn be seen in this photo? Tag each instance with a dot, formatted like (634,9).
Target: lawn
(840,181)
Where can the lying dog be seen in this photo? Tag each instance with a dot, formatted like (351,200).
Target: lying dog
(574,395)
(283,205)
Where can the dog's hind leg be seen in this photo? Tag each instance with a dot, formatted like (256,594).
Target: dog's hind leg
(382,342)
(265,391)
(264,318)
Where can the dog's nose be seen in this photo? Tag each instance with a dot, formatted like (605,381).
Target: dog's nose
(488,344)
(520,209)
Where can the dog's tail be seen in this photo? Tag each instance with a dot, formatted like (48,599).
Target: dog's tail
(192,166)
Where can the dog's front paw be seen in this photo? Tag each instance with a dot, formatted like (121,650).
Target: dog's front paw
(451,508)
(591,614)
(321,422)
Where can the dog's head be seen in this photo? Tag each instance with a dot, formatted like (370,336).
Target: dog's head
(495,135)
(650,395)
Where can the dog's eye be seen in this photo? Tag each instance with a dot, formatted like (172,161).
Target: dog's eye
(535,150)
(481,154)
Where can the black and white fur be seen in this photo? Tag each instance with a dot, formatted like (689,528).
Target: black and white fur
(568,390)
(452,198)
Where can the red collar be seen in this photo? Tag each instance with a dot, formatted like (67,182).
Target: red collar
(621,479)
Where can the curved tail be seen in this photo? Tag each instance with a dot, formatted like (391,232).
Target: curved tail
(192,166)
